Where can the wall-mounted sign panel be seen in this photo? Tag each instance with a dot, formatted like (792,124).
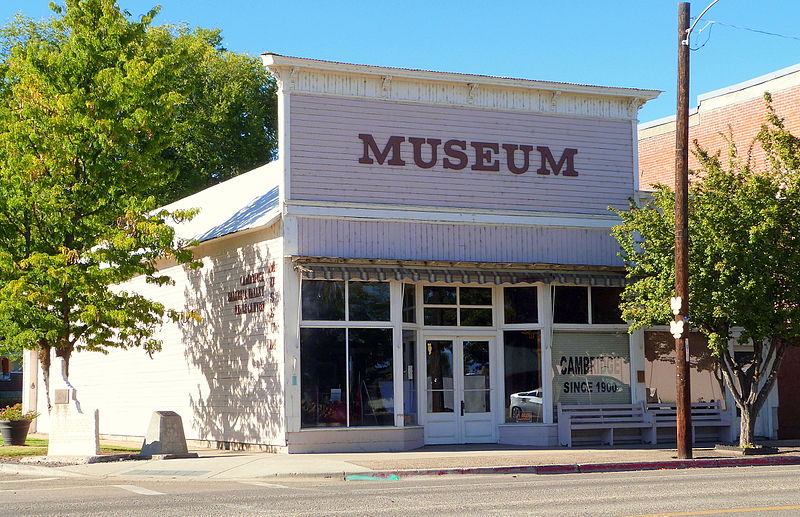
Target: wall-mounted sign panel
(391,152)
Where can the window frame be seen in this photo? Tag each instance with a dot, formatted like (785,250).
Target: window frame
(589,323)
(347,324)
(457,306)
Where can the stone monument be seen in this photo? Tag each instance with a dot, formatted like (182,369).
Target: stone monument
(165,436)
(74,430)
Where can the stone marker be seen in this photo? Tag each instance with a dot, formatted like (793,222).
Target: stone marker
(165,436)
(74,430)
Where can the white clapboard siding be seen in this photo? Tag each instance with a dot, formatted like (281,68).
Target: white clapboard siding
(320,237)
(220,375)
(442,88)
(325,149)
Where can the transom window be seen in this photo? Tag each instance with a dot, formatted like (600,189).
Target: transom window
(337,300)
(590,305)
(457,306)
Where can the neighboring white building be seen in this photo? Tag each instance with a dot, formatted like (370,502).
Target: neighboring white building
(428,261)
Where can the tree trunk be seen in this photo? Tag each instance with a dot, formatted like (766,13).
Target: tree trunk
(747,427)
(44,361)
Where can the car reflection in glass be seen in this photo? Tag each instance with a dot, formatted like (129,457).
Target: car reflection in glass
(527,403)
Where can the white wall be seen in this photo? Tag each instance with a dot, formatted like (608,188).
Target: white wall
(223,375)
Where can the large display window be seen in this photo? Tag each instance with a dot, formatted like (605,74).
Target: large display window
(522,355)
(347,376)
(591,367)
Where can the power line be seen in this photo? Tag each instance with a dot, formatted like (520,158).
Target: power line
(759,31)
(709,26)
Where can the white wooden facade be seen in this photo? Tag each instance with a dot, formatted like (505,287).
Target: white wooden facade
(237,375)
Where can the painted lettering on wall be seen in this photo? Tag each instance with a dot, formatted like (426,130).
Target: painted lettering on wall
(458,154)
(591,374)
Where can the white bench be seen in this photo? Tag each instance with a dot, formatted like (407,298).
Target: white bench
(704,415)
(606,418)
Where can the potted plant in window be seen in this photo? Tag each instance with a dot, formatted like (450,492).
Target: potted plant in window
(14,424)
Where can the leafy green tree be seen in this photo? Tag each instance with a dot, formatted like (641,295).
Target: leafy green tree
(87,106)
(226,124)
(744,263)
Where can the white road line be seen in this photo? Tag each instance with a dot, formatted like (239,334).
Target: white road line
(26,480)
(138,490)
(260,483)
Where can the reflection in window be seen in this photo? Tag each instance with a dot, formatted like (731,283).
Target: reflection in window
(439,382)
(475,296)
(452,306)
(476,377)
(409,303)
(410,377)
(445,316)
(570,304)
(523,383)
(368,301)
(605,305)
(371,385)
(520,305)
(439,295)
(322,384)
(323,300)
(476,317)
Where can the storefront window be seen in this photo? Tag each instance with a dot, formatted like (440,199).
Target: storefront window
(346,373)
(368,301)
(523,383)
(323,300)
(520,305)
(371,385)
(475,295)
(346,368)
(452,306)
(477,383)
(440,387)
(323,378)
(409,303)
(605,305)
(409,377)
(591,368)
(570,304)
(437,295)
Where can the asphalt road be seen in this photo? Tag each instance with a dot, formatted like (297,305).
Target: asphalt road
(747,491)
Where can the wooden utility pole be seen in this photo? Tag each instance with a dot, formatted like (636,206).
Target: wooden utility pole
(684,400)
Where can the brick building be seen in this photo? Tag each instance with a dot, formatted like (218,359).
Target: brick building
(734,114)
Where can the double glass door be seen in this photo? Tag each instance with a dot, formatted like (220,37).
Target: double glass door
(458,390)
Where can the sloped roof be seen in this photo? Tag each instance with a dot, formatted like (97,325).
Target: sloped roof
(247,201)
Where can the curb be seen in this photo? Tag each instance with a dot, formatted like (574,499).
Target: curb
(36,470)
(587,468)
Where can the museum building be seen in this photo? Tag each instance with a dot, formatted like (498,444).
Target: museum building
(428,261)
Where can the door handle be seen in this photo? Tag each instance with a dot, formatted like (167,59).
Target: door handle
(462,408)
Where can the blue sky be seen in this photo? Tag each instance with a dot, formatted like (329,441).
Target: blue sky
(610,43)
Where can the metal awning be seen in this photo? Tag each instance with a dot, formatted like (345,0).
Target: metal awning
(456,273)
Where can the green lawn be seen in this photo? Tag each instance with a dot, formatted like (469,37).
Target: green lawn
(38,447)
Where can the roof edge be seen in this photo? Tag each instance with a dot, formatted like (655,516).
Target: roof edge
(273,59)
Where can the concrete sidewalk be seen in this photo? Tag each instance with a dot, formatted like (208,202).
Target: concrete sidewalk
(431,460)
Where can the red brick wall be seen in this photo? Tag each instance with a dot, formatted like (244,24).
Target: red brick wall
(657,153)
